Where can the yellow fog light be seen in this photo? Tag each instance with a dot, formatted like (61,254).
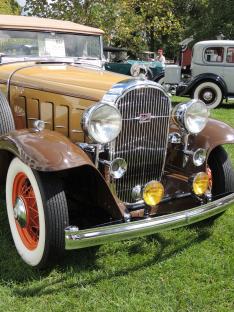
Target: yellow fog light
(200,183)
(153,193)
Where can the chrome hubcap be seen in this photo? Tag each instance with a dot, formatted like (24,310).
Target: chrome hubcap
(207,95)
(20,212)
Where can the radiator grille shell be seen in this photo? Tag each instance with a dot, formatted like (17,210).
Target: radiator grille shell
(143,140)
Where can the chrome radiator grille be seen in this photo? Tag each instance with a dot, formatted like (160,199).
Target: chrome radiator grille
(143,139)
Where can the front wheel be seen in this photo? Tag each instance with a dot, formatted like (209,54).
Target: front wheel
(210,93)
(37,212)
(222,175)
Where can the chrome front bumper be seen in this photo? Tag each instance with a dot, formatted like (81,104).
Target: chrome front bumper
(75,239)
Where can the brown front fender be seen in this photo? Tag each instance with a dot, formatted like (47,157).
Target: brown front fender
(50,151)
(44,150)
(215,133)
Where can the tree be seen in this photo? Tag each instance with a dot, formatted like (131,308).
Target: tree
(205,19)
(9,7)
(135,24)
(216,18)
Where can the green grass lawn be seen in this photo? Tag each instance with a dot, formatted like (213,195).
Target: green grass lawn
(187,269)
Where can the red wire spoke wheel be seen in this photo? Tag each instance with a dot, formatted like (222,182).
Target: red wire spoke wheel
(28,224)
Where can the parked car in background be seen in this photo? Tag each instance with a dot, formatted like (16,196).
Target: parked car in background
(144,65)
(88,156)
(212,73)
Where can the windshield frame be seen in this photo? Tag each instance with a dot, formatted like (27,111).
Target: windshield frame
(55,58)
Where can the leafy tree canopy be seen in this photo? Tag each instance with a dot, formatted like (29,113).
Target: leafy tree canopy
(9,7)
(135,24)
(216,17)
(206,19)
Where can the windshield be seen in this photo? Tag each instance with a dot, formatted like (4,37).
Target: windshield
(146,56)
(32,44)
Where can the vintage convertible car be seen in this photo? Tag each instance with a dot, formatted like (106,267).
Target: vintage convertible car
(144,65)
(88,156)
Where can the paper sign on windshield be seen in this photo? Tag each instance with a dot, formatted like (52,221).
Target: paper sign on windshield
(54,47)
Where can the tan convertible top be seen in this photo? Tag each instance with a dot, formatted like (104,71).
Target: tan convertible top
(46,24)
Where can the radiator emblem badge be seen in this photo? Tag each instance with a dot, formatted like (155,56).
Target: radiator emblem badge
(146,117)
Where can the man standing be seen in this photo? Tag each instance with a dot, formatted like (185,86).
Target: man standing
(160,57)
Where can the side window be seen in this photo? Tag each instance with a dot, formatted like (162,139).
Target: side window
(230,55)
(214,54)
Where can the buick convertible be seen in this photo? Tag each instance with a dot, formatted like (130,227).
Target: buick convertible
(88,156)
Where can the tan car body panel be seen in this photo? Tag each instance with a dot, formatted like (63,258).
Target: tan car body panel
(74,80)
(57,94)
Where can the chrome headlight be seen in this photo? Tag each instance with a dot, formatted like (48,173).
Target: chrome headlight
(192,116)
(102,123)
(199,157)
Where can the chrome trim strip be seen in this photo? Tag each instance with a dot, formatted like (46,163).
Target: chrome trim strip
(11,76)
(121,88)
(75,239)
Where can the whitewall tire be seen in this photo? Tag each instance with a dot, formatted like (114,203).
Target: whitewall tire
(210,93)
(37,217)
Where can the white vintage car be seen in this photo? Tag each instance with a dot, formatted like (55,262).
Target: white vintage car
(212,73)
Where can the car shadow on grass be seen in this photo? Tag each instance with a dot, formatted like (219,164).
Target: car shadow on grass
(93,265)
(226,105)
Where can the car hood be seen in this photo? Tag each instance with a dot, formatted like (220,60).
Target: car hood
(67,79)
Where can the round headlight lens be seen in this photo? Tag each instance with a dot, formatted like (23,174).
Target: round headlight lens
(102,123)
(196,116)
(199,157)
(192,116)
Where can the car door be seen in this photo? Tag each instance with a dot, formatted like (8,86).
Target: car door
(229,69)
(209,60)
